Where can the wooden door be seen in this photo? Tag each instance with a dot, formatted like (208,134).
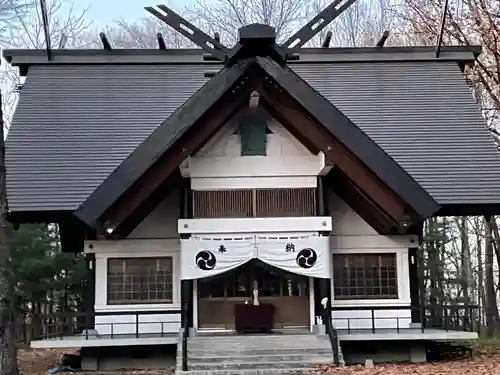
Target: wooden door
(289,293)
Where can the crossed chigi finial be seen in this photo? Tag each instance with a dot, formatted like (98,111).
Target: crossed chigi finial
(219,51)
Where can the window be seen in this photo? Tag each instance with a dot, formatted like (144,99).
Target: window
(365,276)
(139,280)
(291,202)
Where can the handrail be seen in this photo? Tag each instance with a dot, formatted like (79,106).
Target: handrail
(185,335)
(445,317)
(63,324)
(330,331)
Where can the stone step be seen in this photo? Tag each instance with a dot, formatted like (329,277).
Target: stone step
(257,354)
(258,338)
(265,357)
(263,343)
(269,371)
(234,352)
(252,365)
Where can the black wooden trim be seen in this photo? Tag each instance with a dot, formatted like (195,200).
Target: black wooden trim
(89,291)
(320,198)
(187,302)
(169,186)
(343,129)
(414,284)
(371,213)
(469,209)
(72,235)
(28,217)
(149,151)
(322,289)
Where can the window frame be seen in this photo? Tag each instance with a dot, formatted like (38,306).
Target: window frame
(394,282)
(112,302)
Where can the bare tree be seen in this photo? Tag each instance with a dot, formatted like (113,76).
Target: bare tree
(142,34)
(67,29)
(10,13)
(8,350)
(227,16)
(468,22)
(363,24)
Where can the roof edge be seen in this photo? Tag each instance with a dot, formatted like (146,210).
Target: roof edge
(26,57)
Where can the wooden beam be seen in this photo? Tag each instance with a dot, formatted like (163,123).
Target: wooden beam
(440,31)
(163,141)
(189,144)
(288,112)
(161,42)
(361,203)
(104,40)
(327,40)
(46,31)
(190,31)
(141,212)
(383,39)
(339,126)
(318,23)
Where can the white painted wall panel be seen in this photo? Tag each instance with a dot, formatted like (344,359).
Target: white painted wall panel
(126,324)
(162,221)
(351,235)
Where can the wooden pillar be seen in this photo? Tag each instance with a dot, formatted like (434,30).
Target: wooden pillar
(187,302)
(414,284)
(322,287)
(186,212)
(421,285)
(89,292)
(320,198)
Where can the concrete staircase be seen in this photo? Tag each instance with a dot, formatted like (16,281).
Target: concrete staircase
(255,354)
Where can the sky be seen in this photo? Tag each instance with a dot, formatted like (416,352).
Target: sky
(104,12)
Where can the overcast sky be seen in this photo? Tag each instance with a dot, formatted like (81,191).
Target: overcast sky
(104,12)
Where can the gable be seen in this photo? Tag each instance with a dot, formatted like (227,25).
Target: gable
(322,128)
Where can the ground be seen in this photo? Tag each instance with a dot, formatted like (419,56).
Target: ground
(486,361)
(37,362)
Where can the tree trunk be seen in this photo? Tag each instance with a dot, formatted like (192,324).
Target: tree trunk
(465,266)
(491,300)
(496,238)
(8,344)
(480,272)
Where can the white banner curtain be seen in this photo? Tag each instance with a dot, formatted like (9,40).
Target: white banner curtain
(309,256)
(206,257)
(209,257)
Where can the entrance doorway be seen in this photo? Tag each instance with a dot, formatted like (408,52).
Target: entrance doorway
(287,292)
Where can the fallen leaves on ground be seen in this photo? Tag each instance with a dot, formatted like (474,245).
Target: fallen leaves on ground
(38,361)
(486,361)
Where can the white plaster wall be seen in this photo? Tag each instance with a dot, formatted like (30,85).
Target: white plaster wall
(162,221)
(125,324)
(227,144)
(351,235)
(219,164)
